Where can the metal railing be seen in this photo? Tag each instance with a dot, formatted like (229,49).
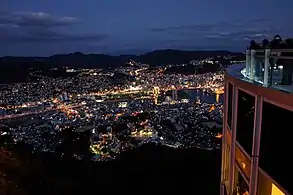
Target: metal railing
(270,67)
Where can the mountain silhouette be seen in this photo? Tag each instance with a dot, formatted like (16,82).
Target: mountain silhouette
(16,69)
(80,60)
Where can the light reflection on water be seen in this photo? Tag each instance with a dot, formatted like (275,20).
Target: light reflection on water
(206,97)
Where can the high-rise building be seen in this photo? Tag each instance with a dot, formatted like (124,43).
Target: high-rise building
(257,125)
(156,94)
(174,94)
(64,96)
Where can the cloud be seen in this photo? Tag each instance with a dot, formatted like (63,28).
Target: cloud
(36,19)
(204,27)
(243,34)
(227,31)
(39,26)
(184,29)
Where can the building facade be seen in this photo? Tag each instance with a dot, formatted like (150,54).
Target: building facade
(257,125)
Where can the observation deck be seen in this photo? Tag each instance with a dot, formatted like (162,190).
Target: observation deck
(267,68)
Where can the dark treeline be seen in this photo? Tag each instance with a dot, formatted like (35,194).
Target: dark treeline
(146,169)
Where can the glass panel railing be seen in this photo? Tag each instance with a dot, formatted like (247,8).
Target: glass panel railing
(259,70)
(277,73)
(282,76)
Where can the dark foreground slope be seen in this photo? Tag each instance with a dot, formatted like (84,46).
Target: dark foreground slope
(169,170)
(150,168)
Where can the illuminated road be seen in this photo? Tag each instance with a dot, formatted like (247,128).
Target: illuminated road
(11,116)
(217,90)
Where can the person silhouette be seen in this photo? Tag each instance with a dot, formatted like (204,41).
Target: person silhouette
(265,44)
(254,45)
(289,43)
(276,42)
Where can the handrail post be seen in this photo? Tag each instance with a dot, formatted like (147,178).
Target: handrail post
(247,66)
(253,183)
(266,68)
(252,64)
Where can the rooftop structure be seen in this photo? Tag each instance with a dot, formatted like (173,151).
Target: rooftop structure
(258,112)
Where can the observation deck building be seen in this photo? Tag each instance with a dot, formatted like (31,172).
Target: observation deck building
(257,125)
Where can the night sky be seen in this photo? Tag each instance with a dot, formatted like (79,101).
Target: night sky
(46,27)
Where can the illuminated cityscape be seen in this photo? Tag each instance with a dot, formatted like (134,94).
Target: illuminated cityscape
(131,97)
(93,103)
(100,115)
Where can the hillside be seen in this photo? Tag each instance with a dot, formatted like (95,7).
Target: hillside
(10,66)
(80,60)
(161,57)
(146,169)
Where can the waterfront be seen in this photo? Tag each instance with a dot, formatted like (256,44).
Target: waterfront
(210,98)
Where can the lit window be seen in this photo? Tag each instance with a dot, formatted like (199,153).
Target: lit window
(276,190)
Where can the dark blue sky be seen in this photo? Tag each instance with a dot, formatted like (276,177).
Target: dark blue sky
(42,28)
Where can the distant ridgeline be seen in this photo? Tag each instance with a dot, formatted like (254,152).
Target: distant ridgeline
(10,66)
